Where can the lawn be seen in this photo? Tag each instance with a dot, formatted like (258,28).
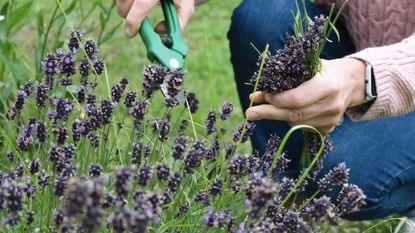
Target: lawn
(208,67)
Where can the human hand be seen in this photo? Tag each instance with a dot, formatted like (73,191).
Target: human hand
(134,12)
(319,102)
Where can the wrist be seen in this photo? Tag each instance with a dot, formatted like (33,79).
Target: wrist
(357,76)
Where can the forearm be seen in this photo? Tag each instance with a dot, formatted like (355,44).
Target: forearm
(394,70)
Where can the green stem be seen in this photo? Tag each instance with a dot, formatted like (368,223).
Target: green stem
(52,19)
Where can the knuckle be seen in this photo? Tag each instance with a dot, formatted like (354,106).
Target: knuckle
(337,108)
(334,89)
(295,115)
(297,100)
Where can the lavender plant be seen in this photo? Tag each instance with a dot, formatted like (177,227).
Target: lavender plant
(83,162)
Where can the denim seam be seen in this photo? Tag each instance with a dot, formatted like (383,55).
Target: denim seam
(390,180)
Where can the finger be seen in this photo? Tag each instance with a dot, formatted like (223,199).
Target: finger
(307,93)
(322,108)
(161,28)
(266,111)
(136,15)
(124,6)
(257,97)
(185,10)
(325,121)
(327,130)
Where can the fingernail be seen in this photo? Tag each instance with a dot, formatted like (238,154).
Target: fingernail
(128,32)
(252,115)
(251,95)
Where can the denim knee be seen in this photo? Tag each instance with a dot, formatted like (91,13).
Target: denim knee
(254,22)
(389,183)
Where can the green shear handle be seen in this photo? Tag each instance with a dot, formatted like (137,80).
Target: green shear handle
(172,52)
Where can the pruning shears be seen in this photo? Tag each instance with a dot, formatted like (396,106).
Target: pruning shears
(170,51)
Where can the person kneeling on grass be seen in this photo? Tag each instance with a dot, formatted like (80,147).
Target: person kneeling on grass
(377,43)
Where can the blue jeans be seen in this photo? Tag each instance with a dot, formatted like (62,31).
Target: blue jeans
(380,153)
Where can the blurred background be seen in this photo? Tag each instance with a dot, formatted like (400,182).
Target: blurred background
(30,29)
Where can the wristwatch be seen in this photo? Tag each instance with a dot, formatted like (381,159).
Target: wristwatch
(370,84)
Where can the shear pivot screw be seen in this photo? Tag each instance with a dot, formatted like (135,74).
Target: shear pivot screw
(174,63)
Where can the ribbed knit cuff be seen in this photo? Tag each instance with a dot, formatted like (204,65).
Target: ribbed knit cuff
(382,103)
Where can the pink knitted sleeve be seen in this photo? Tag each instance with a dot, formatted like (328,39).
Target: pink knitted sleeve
(394,69)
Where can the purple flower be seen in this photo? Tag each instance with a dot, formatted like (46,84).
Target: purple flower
(58,217)
(242,133)
(210,218)
(139,109)
(122,184)
(216,187)
(10,155)
(41,130)
(95,170)
(63,108)
(79,129)
(99,66)
(143,176)
(242,165)
(154,76)
(192,101)
(183,209)
(226,110)
(337,176)
(130,99)
(179,147)
(210,122)
(34,166)
(350,199)
(194,157)
(106,110)
(203,197)
(321,208)
(76,37)
(30,217)
(84,68)
(91,49)
(13,197)
(117,90)
(314,143)
(25,138)
(94,139)
(136,152)
(162,171)
(43,179)
(61,134)
(174,82)
(174,182)
(41,95)
(165,130)
(68,65)
(261,193)
(21,97)
(50,66)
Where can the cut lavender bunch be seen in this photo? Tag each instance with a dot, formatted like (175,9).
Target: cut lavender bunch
(290,66)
